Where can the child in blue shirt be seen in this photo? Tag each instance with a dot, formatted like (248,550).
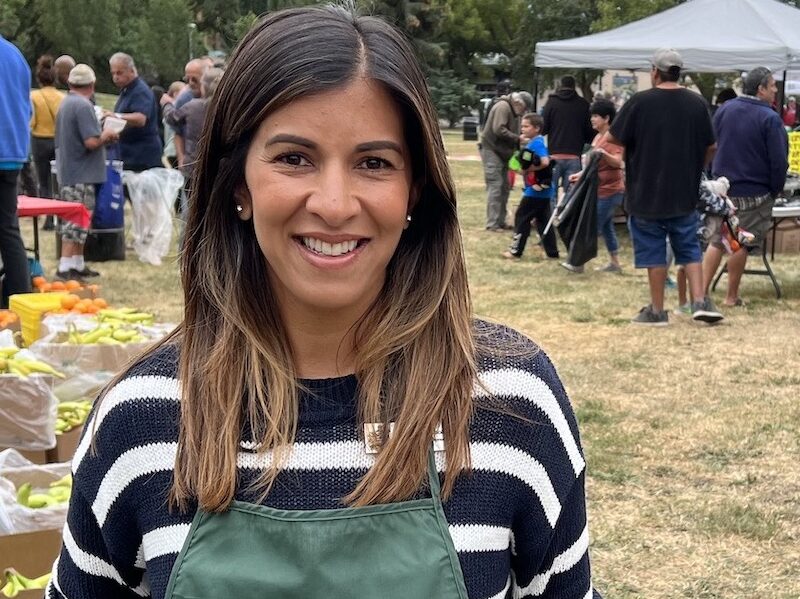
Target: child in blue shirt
(535,202)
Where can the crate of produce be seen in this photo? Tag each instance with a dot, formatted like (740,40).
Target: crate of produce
(30,307)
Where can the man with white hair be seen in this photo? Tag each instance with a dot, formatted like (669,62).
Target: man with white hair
(193,76)
(500,138)
(753,155)
(139,143)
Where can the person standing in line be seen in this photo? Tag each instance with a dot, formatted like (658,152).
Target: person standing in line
(170,153)
(189,118)
(15,114)
(753,155)
(568,129)
(193,80)
(81,166)
(500,138)
(139,142)
(63,65)
(46,101)
(668,140)
(611,183)
(790,113)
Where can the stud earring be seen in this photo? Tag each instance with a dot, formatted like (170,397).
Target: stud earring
(408,221)
(239,208)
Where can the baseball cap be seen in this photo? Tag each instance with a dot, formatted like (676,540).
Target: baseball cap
(81,74)
(666,58)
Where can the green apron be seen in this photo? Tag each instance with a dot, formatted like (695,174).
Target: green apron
(392,551)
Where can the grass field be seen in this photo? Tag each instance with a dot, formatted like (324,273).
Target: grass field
(692,432)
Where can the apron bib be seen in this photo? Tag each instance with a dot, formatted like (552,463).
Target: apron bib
(392,551)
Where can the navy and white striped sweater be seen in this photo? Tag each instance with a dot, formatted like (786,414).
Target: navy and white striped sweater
(518,520)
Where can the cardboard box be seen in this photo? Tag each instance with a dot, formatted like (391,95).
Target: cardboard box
(31,554)
(787,238)
(66,444)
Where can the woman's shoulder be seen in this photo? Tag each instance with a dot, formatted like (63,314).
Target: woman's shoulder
(520,398)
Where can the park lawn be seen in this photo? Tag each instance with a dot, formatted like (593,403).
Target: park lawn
(692,433)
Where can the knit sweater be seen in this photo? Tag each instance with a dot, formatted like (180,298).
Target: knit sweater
(518,520)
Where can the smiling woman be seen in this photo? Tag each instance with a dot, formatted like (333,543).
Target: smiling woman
(328,420)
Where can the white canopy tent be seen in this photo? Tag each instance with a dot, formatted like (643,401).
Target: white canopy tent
(711,35)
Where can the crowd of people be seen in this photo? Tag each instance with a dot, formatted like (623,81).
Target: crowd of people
(59,123)
(654,157)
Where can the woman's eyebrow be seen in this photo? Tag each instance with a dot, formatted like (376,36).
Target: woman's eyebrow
(381,144)
(291,139)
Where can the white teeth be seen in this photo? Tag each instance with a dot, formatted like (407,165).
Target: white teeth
(329,249)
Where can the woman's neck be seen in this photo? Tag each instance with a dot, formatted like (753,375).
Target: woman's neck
(321,350)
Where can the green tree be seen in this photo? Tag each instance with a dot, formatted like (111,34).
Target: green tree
(613,13)
(157,36)
(453,96)
(544,21)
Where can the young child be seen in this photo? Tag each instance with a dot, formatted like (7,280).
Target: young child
(535,202)
(718,224)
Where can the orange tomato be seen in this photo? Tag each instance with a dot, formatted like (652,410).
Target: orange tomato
(58,286)
(46,287)
(38,281)
(72,285)
(92,309)
(68,301)
(100,302)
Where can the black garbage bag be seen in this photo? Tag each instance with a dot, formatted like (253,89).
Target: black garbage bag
(576,216)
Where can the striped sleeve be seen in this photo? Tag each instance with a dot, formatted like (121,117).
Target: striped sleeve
(560,569)
(564,572)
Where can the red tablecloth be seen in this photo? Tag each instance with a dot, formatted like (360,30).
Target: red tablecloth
(74,212)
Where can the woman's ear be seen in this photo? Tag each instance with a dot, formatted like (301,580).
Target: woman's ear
(244,203)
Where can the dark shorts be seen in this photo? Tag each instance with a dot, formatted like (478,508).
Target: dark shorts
(650,238)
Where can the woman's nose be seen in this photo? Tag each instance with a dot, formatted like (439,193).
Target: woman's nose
(334,200)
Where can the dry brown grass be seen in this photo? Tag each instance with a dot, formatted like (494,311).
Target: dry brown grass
(692,432)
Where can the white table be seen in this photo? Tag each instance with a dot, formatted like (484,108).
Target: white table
(779,214)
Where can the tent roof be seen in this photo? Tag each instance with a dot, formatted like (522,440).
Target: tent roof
(711,35)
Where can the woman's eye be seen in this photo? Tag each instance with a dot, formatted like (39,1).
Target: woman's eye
(374,163)
(292,159)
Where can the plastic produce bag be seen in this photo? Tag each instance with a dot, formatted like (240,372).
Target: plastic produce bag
(15,518)
(28,409)
(74,359)
(153,194)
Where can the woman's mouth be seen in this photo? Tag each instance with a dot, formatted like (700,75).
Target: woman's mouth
(325,248)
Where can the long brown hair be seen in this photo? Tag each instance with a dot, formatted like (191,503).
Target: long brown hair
(415,354)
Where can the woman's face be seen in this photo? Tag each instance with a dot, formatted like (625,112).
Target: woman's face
(599,123)
(329,181)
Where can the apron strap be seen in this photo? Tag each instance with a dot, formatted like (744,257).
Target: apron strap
(433,476)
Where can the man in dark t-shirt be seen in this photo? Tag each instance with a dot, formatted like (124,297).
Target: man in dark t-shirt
(668,139)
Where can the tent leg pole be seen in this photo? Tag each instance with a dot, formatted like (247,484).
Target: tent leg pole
(782,96)
(536,89)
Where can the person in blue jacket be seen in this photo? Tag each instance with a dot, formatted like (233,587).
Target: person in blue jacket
(15,115)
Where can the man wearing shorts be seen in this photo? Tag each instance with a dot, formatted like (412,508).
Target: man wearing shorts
(753,155)
(80,165)
(667,135)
